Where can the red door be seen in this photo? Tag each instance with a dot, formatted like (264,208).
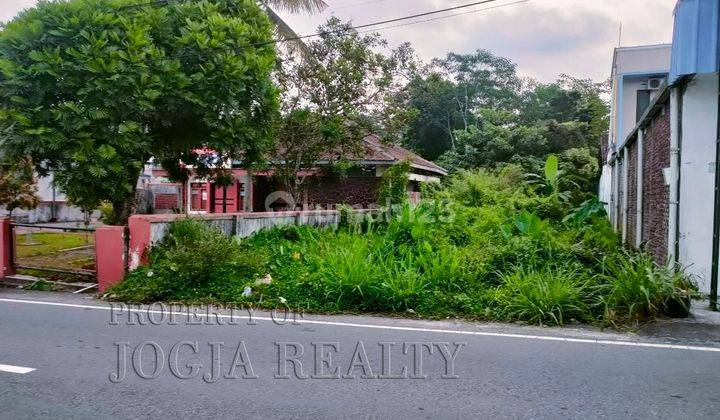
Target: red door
(227,199)
(199,196)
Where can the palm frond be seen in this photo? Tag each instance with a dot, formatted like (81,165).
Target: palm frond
(297,6)
(284,31)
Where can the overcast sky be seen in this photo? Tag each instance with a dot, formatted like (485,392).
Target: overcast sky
(544,37)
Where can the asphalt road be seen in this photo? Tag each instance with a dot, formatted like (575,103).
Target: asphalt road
(474,370)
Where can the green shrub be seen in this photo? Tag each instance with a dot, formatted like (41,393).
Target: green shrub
(473,189)
(635,288)
(402,285)
(347,273)
(197,253)
(106,212)
(546,296)
(589,209)
(445,268)
(194,261)
(410,224)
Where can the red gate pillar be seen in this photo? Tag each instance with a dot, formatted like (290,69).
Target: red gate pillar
(140,241)
(6,246)
(110,255)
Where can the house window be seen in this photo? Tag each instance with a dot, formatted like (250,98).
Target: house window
(643,102)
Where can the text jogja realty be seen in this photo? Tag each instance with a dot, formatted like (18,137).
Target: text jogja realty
(147,360)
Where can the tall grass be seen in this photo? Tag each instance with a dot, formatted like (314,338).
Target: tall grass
(545,296)
(348,272)
(633,287)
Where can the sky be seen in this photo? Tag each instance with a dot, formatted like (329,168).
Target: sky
(545,38)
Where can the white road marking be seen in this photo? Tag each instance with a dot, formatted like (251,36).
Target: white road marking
(15,369)
(396,328)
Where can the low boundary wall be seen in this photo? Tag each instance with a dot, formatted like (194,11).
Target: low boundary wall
(147,230)
(119,249)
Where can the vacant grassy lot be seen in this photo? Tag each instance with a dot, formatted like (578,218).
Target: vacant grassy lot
(482,247)
(31,244)
(59,250)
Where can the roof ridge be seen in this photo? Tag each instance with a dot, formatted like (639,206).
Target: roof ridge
(378,146)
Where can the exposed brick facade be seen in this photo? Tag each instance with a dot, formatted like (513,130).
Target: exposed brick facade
(324,192)
(631,194)
(353,190)
(166,201)
(655,193)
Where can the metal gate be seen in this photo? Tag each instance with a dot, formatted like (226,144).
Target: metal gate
(61,251)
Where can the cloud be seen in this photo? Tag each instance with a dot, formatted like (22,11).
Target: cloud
(544,44)
(10,8)
(544,37)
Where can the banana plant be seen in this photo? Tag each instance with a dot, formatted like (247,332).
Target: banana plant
(552,173)
(550,182)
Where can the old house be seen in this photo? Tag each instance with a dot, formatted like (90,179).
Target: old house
(261,191)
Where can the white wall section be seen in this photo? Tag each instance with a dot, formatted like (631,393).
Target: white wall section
(697,176)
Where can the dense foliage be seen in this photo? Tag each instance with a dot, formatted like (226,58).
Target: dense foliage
(394,185)
(91,89)
(483,246)
(474,111)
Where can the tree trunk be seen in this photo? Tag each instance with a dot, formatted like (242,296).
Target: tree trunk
(293,187)
(450,133)
(122,210)
(124,207)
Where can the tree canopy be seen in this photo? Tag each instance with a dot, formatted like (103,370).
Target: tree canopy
(346,89)
(91,89)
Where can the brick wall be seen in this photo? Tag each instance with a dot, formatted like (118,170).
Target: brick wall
(360,191)
(655,193)
(166,201)
(631,213)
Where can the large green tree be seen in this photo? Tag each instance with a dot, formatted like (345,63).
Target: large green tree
(344,89)
(567,118)
(449,94)
(90,89)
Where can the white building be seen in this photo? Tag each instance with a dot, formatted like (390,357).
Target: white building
(661,178)
(636,76)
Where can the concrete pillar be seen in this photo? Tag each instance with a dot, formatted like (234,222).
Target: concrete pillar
(110,255)
(675,104)
(6,248)
(249,191)
(211,192)
(626,184)
(188,195)
(639,188)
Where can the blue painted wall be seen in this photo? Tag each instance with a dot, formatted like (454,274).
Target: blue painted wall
(695,39)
